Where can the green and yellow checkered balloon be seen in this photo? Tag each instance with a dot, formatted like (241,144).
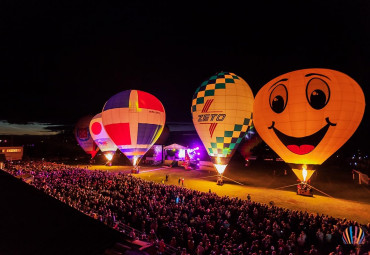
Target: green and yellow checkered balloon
(222,112)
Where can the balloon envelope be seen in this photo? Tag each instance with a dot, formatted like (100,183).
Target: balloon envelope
(222,112)
(101,138)
(134,120)
(307,115)
(251,140)
(83,136)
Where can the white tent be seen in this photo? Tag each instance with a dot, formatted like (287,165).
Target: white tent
(175,146)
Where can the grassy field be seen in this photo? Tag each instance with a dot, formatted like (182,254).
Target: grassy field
(349,200)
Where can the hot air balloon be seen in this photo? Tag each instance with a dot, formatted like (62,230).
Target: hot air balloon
(307,115)
(353,235)
(222,112)
(251,140)
(101,138)
(134,120)
(83,136)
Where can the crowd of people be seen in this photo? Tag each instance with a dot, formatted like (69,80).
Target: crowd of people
(196,222)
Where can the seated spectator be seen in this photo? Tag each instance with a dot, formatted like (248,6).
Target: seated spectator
(198,222)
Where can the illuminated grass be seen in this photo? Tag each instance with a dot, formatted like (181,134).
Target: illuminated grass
(203,181)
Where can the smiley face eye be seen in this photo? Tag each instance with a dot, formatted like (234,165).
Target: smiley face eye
(317,93)
(279,98)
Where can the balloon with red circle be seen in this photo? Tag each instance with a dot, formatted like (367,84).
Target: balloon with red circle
(101,138)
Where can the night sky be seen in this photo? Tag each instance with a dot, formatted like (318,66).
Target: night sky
(60,61)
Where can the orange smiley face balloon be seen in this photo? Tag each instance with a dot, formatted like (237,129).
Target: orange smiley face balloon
(307,115)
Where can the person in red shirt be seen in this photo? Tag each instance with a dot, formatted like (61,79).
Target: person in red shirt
(161,246)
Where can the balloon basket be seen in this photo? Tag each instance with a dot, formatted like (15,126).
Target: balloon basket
(135,170)
(220,182)
(304,189)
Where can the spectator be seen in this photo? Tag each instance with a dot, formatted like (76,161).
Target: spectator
(203,223)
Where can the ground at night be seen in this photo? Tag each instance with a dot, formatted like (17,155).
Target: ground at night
(35,223)
(353,205)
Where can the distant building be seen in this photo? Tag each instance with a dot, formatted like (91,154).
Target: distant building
(2,160)
(12,152)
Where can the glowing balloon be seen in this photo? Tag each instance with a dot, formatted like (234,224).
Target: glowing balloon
(222,112)
(83,136)
(251,140)
(101,138)
(353,235)
(307,115)
(134,120)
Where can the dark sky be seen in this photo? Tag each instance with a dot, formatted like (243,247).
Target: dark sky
(60,60)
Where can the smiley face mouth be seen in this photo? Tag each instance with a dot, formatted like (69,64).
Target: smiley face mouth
(302,145)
